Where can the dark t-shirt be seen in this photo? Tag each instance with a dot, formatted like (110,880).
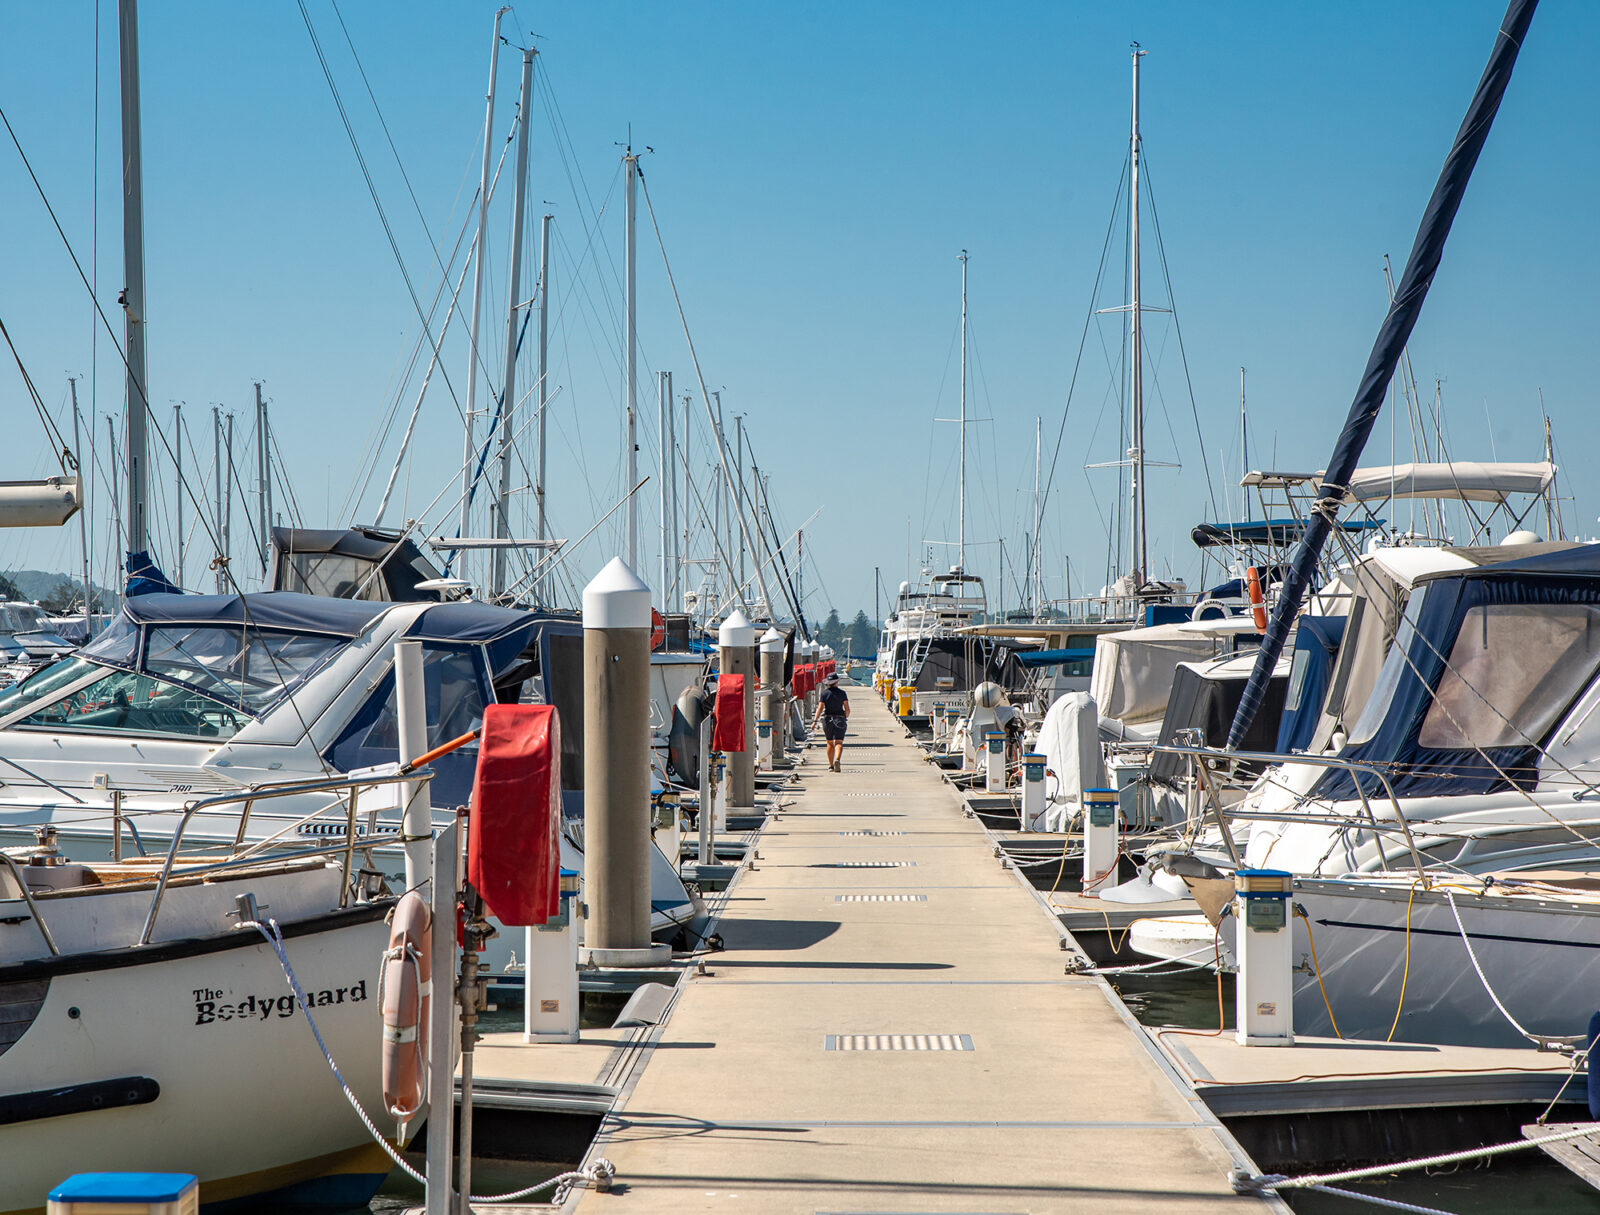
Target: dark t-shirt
(833,702)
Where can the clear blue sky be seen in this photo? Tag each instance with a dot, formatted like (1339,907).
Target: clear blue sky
(816,169)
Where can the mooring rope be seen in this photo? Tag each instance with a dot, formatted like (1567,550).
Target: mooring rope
(599,1172)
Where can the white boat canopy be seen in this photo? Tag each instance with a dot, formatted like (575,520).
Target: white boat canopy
(1467,480)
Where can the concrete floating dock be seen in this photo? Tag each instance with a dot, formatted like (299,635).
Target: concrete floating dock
(890,1029)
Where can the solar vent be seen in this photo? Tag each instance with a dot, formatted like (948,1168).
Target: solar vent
(875,864)
(897,1042)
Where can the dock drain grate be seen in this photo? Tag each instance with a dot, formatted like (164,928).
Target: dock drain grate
(897,1042)
(875,864)
(880,793)
(880,898)
(872,833)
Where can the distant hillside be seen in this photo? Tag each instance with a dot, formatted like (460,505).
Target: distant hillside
(36,584)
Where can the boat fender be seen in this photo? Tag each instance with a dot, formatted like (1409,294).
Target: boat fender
(1594,1068)
(1258,607)
(405,989)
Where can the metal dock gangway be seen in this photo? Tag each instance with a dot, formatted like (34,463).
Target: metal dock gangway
(890,1028)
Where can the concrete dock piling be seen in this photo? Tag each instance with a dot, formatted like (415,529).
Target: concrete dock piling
(616,768)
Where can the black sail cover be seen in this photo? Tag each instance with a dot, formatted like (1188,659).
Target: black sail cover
(1421,266)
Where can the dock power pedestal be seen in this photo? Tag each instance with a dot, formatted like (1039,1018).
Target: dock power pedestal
(550,982)
(1264,943)
(1102,839)
(1033,792)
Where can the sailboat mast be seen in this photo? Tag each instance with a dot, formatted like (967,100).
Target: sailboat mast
(632,163)
(664,432)
(177,456)
(133,277)
(264,475)
(961,508)
(1244,447)
(84,478)
(1136,347)
(1037,558)
(470,449)
(508,398)
(544,386)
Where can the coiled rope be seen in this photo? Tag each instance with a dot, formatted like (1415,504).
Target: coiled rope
(599,1172)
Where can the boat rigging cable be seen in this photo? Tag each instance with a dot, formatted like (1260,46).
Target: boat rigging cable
(1421,264)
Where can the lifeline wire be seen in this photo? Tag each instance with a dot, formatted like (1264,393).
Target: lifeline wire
(600,1170)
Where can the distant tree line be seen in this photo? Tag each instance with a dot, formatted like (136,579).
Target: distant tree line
(858,639)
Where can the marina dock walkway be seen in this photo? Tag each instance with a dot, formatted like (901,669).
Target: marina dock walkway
(890,1030)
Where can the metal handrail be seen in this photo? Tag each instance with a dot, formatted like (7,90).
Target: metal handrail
(33,908)
(1317,761)
(256,793)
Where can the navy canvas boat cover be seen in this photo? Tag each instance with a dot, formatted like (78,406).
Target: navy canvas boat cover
(1486,664)
(1316,645)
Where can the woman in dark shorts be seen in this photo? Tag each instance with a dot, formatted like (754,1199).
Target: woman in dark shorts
(833,710)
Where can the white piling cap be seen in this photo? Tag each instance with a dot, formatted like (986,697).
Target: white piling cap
(736,631)
(827,651)
(772,642)
(616,599)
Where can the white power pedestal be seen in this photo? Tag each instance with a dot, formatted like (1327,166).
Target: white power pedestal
(1102,839)
(1264,944)
(1033,809)
(550,982)
(994,762)
(763,743)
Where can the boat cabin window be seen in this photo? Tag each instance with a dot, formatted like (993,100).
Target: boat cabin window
(1514,668)
(252,670)
(454,692)
(127,702)
(46,685)
(332,574)
(117,645)
(1395,665)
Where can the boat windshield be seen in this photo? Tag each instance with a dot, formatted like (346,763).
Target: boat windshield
(190,680)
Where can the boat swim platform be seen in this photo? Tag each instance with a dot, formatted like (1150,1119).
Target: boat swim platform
(889,1029)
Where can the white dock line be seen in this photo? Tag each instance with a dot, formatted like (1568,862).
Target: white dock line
(599,1173)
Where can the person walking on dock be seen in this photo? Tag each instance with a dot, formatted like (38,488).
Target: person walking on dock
(833,710)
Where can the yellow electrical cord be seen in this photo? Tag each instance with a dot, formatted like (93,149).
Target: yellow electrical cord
(1311,937)
(1406,973)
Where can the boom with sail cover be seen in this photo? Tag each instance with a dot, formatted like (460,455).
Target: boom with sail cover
(1406,307)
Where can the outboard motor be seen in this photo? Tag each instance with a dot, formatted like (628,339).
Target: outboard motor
(683,741)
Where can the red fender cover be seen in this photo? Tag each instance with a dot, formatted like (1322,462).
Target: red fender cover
(728,734)
(514,821)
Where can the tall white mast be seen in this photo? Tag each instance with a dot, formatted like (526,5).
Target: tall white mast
(264,472)
(477,293)
(544,381)
(1038,519)
(664,433)
(961,532)
(177,457)
(632,163)
(85,469)
(683,550)
(1136,351)
(1244,447)
(508,399)
(133,277)
(221,471)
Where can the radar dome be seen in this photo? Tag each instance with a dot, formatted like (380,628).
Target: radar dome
(1523,536)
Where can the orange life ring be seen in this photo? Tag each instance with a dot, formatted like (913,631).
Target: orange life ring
(405,990)
(1258,608)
